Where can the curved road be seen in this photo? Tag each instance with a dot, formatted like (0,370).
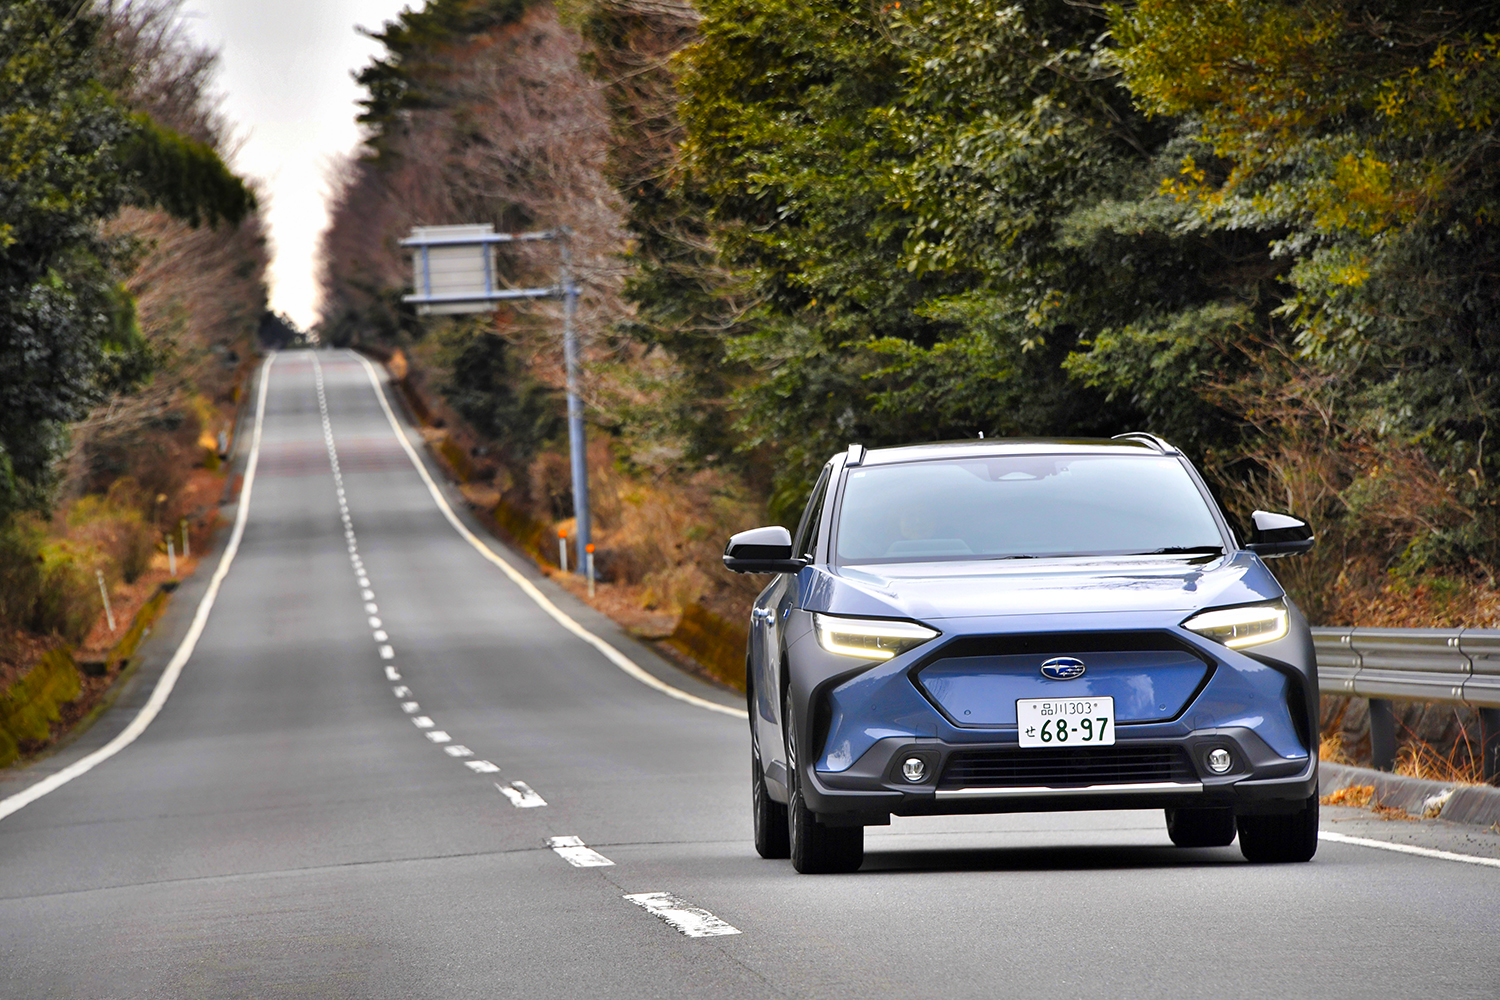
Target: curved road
(356,787)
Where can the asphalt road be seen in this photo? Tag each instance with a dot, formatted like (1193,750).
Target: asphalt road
(341,798)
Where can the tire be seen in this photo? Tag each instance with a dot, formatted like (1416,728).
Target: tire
(1201,827)
(769,816)
(1281,839)
(815,849)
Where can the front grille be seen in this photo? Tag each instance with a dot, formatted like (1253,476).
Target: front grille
(1066,767)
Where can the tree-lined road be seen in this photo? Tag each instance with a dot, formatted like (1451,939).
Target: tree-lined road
(355,786)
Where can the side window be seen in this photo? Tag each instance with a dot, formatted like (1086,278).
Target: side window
(807,530)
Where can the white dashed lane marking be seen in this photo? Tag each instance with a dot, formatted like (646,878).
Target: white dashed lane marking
(521,795)
(693,921)
(518,792)
(574,852)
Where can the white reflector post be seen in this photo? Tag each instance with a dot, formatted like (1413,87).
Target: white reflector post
(464,271)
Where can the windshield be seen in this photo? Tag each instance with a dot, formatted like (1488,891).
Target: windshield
(1023,506)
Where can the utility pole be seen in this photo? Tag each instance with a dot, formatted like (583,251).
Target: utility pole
(453,271)
(577,446)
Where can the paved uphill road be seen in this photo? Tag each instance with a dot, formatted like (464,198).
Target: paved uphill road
(342,797)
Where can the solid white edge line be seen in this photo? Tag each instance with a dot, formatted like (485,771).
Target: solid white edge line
(169,676)
(610,653)
(1423,852)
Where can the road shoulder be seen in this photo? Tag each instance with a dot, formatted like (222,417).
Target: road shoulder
(120,705)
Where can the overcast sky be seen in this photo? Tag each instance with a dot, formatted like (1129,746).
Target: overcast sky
(284,74)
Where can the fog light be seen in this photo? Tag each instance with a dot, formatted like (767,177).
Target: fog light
(914,769)
(1219,761)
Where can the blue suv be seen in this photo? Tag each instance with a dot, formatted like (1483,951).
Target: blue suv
(1002,626)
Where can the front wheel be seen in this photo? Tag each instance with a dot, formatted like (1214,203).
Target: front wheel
(769,815)
(1201,827)
(815,849)
(1279,839)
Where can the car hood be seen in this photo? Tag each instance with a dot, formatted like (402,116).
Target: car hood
(986,588)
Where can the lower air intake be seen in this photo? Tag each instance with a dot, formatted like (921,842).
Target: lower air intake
(1122,764)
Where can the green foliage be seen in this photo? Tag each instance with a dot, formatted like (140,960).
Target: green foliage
(1264,230)
(68,600)
(685,301)
(20,572)
(31,704)
(1359,137)
(59,132)
(70,158)
(183,176)
(113,525)
(46,587)
(890,185)
(491,391)
(409,75)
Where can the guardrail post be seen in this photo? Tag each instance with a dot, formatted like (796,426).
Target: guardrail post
(1489,737)
(1382,734)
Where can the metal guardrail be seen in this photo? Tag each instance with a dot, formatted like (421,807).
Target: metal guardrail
(1414,664)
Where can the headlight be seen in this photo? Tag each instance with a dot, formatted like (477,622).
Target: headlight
(1241,627)
(869,638)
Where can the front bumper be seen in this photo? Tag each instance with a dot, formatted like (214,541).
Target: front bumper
(1260,708)
(1135,774)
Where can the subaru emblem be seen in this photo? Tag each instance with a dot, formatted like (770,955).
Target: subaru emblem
(1063,668)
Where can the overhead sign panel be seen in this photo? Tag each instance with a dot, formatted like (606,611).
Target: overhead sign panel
(453,279)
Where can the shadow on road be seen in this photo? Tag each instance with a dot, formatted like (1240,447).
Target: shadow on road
(1081,858)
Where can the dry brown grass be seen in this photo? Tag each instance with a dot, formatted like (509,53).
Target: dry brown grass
(1428,601)
(1460,765)
(1355,797)
(1363,797)
(1331,748)
(1437,741)
(1392,813)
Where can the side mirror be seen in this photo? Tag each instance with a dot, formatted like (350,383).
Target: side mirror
(762,550)
(1273,536)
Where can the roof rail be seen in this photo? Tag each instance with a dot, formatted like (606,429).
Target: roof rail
(856,455)
(1150,439)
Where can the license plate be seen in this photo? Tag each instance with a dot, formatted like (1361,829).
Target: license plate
(1066,722)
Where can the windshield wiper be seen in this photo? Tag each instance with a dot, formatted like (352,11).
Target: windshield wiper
(1176,550)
